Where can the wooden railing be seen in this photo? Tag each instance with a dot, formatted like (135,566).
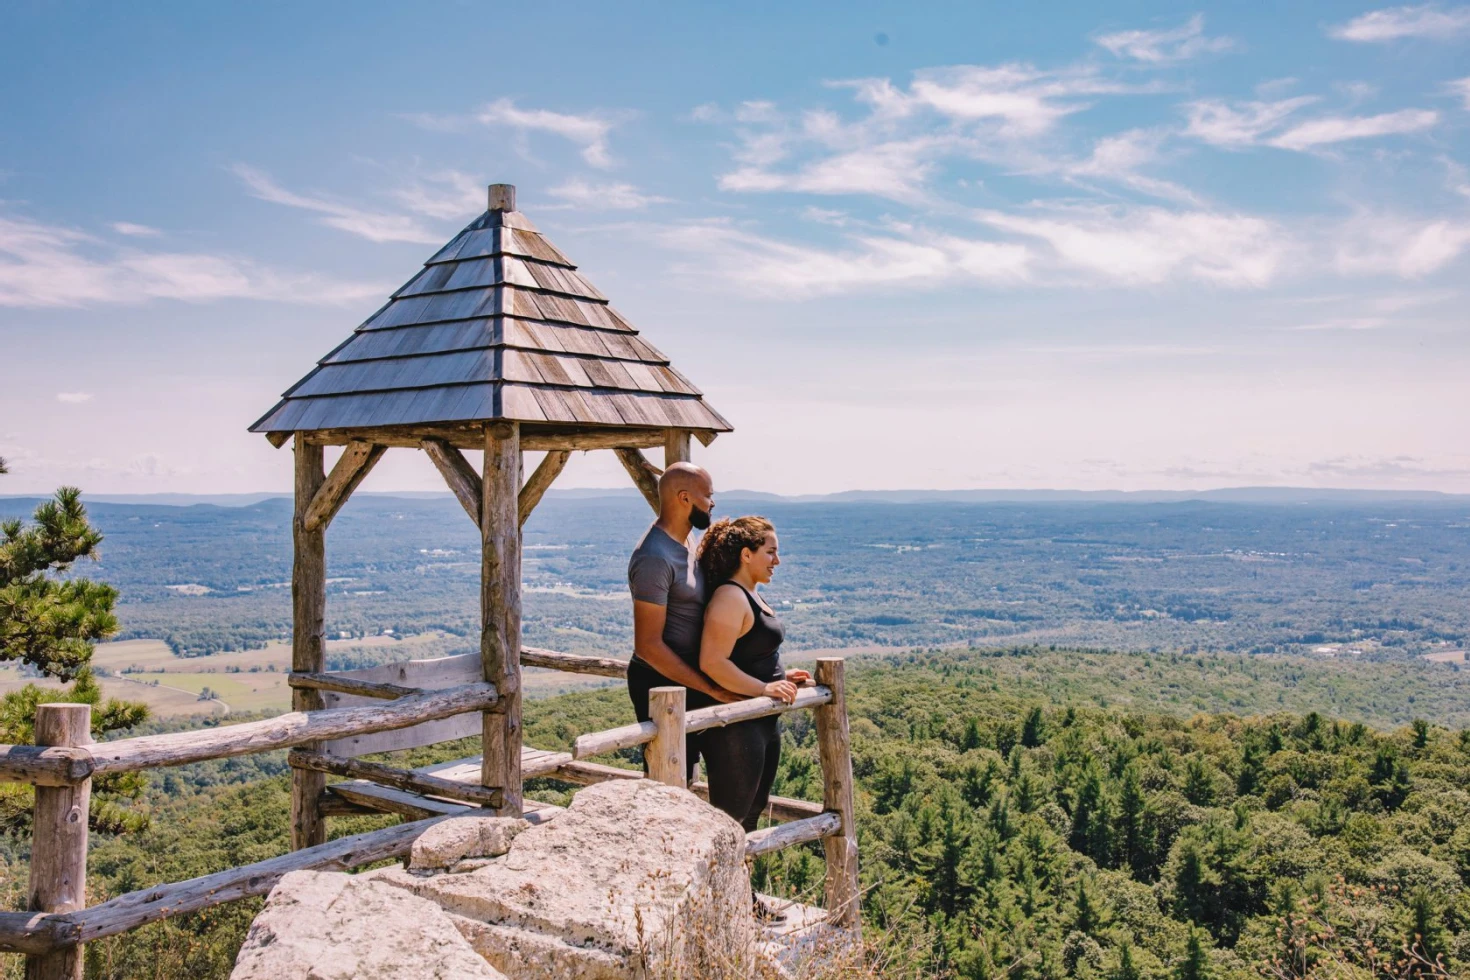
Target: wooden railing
(64,760)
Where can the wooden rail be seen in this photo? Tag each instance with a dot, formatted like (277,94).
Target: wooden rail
(286,731)
(640,733)
(62,765)
(22,932)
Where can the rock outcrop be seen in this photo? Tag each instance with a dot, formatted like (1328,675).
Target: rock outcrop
(450,845)
(634,880)
(330,926)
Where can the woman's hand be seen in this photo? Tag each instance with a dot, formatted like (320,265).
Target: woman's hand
(781,691)
(799,676)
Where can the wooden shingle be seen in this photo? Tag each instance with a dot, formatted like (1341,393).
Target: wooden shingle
(498,325)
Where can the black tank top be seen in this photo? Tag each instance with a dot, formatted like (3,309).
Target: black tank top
(758,652)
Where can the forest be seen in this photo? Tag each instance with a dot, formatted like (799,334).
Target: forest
(1021,815)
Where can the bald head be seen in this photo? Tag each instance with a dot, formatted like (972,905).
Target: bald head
(684,477)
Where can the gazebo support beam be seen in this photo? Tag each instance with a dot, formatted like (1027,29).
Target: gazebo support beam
(308,648)
(500,609)
(463,481)
(676,447)
(540,481)
(356,462)
(645,475)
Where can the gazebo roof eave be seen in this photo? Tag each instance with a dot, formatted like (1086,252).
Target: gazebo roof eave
(469,434)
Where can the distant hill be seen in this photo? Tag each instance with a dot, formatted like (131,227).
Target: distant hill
(1274,496)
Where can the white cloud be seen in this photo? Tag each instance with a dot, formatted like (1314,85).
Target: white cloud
(1165,46)
(1461,88)
(1394,23)
(73,397)
(1023,100)
(1339,129)
(1151,245)
(1119,158)
(135,231)
(375,227)
(897,170)
(588,131)
(51,266)
(895,149)
(578,193)
(1241,123)
(1390,245)
(443,196)
(781,270)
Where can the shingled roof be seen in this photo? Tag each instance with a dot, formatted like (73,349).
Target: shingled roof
(499,325)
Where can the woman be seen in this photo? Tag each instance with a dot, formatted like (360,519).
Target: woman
(740,651)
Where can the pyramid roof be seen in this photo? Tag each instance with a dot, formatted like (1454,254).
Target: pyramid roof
(499,325)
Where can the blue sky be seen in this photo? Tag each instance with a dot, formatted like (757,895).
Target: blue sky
(1128,246)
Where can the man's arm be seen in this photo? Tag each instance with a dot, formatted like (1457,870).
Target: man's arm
(649,646)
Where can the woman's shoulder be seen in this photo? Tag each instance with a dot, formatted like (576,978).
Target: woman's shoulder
(727,598)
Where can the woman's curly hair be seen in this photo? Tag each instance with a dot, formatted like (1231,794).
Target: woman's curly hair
(719,551)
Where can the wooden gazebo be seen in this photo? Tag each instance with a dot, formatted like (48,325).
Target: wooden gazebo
(498,344)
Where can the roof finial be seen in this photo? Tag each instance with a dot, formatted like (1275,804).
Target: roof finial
(502,197)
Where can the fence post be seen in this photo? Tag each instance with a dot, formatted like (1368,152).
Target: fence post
(59,839)
(836,753)
(308,634)
(667,762)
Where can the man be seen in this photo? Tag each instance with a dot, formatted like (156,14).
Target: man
(668,596)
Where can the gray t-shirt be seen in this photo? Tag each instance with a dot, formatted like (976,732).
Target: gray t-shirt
(663,571)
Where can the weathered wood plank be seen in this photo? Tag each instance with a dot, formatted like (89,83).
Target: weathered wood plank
(139,908)
(59,839)
(44,765)
(645,475)
(540,481)
(789,834)
(463,482)
(349,685)
(471,436)
(834,747)
(356,462)
(676,447)
(573,663)
(425,675)
(406,779)
(308,631)
(286,731)
(500,613)
(626,736)
(386,799)
(665,754)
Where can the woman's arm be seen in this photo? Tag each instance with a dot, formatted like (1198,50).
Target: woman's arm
(726,619)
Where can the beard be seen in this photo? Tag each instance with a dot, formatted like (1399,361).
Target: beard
(699,518)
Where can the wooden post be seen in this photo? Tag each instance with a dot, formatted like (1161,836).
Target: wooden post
(667,762)
(836,754)
(676,447)
(308,628)
(500,613)
(59,839)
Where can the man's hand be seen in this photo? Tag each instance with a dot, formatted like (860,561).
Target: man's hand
(726,697)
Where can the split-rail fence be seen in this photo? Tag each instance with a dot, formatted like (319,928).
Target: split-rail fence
(325,741)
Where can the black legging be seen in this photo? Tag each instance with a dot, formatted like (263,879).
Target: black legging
(642,679)
(741,760)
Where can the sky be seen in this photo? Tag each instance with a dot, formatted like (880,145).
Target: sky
(979,245)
